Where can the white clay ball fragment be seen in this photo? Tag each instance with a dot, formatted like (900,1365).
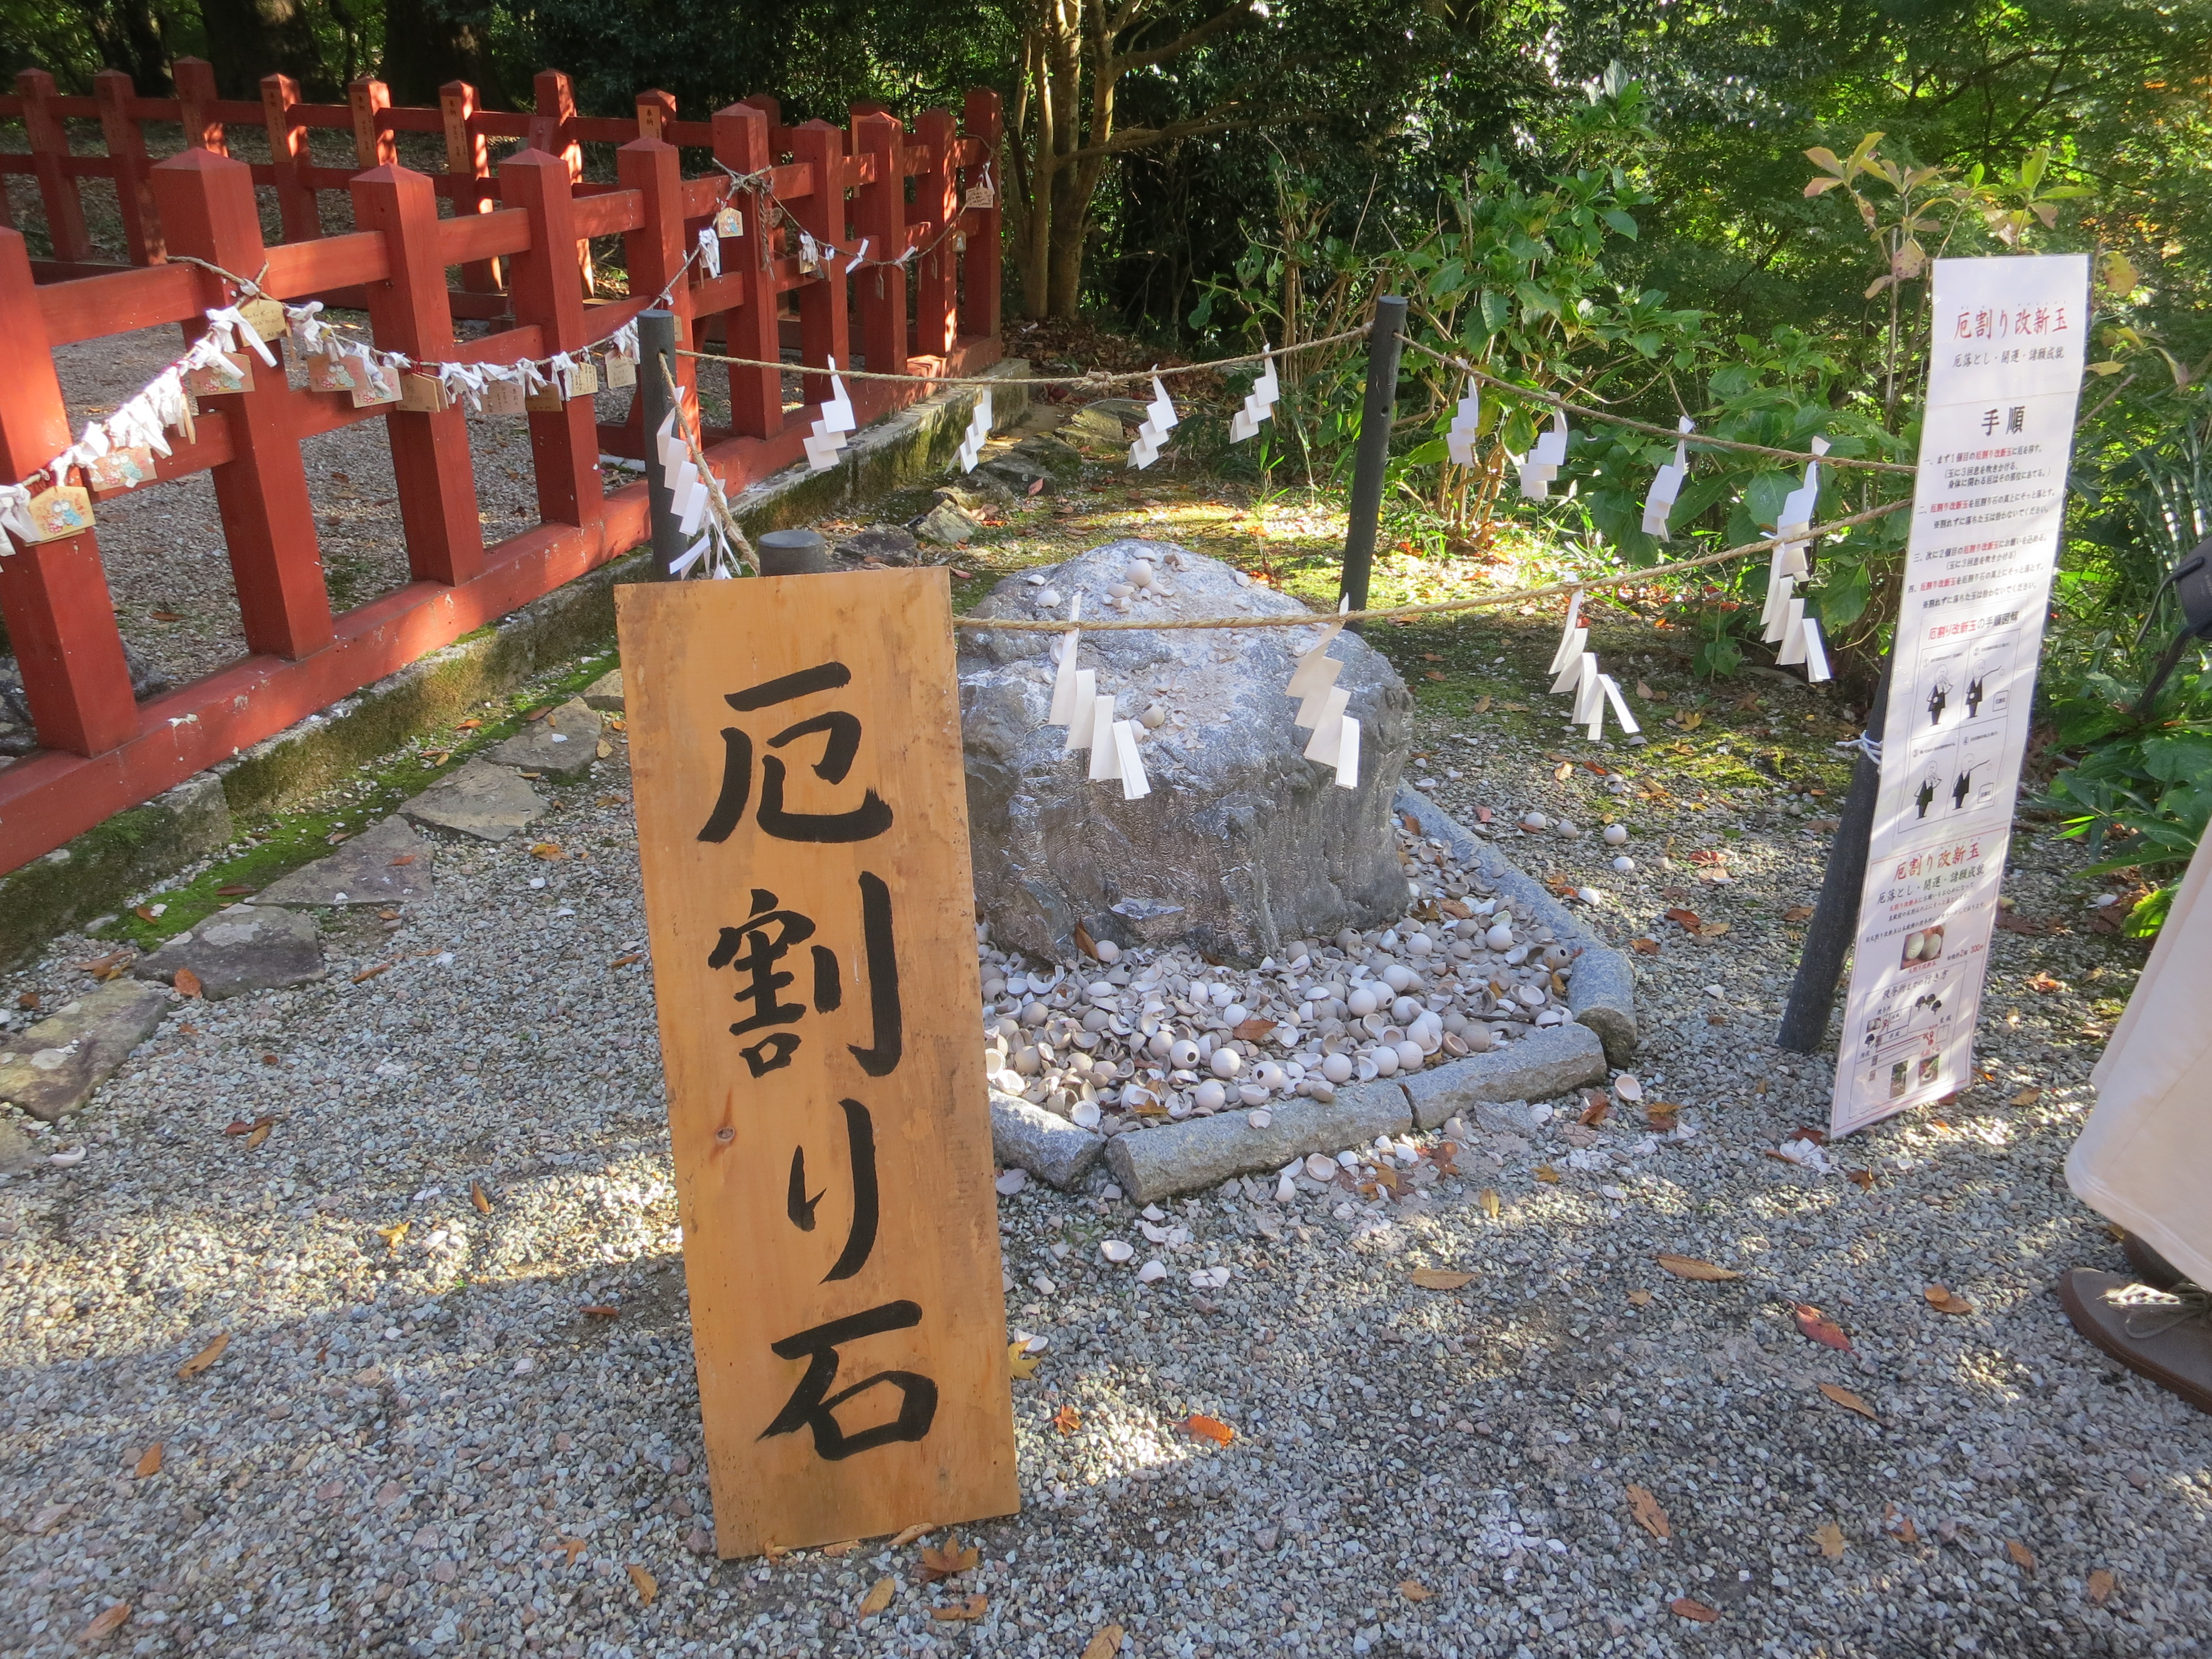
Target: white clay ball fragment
(1499,938)
(1615,834)
(1337,1069)
(1535,821)
(1362,1002)
(1409,1056)
(1109,953)
(1049,597)
(1226,1062)
(1209,1095)
(1139,572)
(1182,1055)
(1154,717)
(1385,1062)
(1115,1251)
(1151,1273)
(1623,864)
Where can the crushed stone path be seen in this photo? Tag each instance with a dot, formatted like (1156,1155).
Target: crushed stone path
(427,1202)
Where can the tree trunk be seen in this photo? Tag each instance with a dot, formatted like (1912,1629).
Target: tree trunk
(249,39)
(128,33)
(425,47)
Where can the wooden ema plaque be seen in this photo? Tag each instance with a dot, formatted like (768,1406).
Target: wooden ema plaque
(802,829)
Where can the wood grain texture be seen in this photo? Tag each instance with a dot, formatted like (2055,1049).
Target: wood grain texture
(758,1274)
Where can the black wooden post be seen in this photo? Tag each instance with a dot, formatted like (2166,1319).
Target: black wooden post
(656,369)
(1835,921)
(1383,345)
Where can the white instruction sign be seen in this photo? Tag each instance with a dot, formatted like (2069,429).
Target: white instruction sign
(2004,379)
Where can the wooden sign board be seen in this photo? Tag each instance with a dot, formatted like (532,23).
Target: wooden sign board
(803,827)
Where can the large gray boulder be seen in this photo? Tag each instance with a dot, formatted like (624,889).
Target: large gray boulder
(1242,842)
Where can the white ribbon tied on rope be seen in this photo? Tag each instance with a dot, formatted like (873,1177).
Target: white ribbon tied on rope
(16,513)
(978,433)
(1667,486)
(1459,442)
(1258,403)
(228,325)
(1574,640)
(828,437)
(1160,419)
(1796,518)
(463,383)
(1545,460)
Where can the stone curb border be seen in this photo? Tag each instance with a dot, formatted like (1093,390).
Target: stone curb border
(109,863)
(1203,1152)
(1602,992)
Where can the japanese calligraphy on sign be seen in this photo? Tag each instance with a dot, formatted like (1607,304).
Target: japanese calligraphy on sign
(802,824)
(2003,381)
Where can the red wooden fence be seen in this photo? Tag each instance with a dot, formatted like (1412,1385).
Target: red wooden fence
(101,751)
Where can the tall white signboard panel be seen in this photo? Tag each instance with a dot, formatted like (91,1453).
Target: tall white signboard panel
(2004,379)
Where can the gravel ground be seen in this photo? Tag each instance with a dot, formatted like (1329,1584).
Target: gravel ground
(422,1441)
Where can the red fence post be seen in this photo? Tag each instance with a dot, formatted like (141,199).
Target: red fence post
(126,144)
(209,211)
(371,147)
(740,134)
(467,157)
(655,253)
(824,328)
(655,110)
(981,271)
(290,160)
(879,214)
(49,148)
(408,312)
(547,286)
(196,101)
(54,596)
(937,203)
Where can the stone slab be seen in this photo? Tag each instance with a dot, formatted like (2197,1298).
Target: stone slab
(1533,1066)
(243,947)
(53,1067)
(1026,1137)
(1601,982)
(562,746)
(1205,1151)
(605,693)
(488,802)
(362,871)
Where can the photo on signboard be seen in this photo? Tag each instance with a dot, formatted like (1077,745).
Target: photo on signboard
(1922,947)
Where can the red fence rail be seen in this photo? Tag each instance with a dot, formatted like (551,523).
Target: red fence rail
(526,225)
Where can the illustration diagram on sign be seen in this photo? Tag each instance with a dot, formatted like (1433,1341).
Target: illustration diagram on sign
(1988,688)
(1939,679)
(1974,785)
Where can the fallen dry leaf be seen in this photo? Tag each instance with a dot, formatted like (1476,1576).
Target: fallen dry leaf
(1863,1179)
(948,1560)
(602,1310)
(1566,770)
(1649,1515)
(1898,1525)
(878,1598)
(1105,1644)
(1412,1591)
(2025,1098)
(1825,1332)
(149,1463)
(1948,1301)
(1199,1427)
(1068,1419)
(838,1551)
(1685,919)
(548,850)
(1596,1105)
(1482,705)
(259,1131)
(1253,1030)
(1830,1537)
(1488,1199)
(368,974)
(1546,1173)
(1689,1267)
(647,1586)
(478,1197)
(1711,929)
(2099,1587)
(1798,913)
(966,1611)
(1022,1363)
(574,1546)
(1685,1608)
(105,1624)
(405,858)
(205,1358)
(624,961)
(1440,1279)
(906,1535)
(1640,1297)
(392,1235)
(2023,1556)
(187,982)
(1644,947)
(1849,1402)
